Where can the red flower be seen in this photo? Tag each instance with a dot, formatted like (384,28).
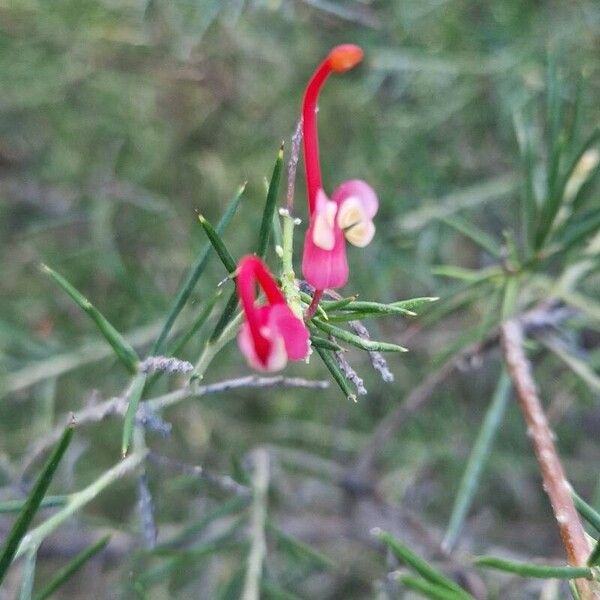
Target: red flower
(353,205)
(271,333)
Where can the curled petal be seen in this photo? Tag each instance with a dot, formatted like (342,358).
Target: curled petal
(285,325)
(362,191)
(361,234)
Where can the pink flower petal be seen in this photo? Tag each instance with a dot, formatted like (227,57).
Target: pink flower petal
(285,324)
(358,189)
(325,268)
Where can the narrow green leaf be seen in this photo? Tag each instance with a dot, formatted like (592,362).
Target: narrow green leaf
(553,203)
(336,373)
(19,529)
(223,509)
(298,549)
(578,229)
(461,274)
(581,368)
(430,590)
(196,325)
(594,558)
(375,307)
(71,568)
(320,342)
(527,199)
(270,204)
(419,565)
(135,394)
(28,575)
(368,345)
(124,351)
(532,570)
(477,461)
(334,304)
(272,590)
(225,318)
(218,244)
(10,506)
(586,511)
(477,235)
(195,273)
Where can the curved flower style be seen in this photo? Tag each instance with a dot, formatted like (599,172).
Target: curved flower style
(349,214)
(271,333)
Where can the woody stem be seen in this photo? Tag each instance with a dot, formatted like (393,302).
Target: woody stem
(555,481)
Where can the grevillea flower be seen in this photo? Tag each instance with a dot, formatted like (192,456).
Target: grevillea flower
(348,215)
(271,333)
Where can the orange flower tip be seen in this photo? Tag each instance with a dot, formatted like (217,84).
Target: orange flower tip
(345,57)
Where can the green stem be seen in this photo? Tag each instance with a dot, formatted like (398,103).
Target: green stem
(211,349)
(77,500)
(289,286)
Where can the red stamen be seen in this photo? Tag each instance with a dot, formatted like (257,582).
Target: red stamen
(340,59)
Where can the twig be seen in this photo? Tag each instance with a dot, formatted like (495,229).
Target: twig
(293,165)
(260,486)
(547,315)
(118,406)
(555,482)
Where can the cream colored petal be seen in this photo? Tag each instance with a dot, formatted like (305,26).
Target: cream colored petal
(361,235)
(323,233)
(350,213)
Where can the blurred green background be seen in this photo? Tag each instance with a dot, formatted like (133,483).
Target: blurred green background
(119,118)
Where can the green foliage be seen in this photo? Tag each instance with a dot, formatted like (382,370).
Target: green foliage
(34,500)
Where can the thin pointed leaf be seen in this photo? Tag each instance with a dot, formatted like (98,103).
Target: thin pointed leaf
(578,366)
(298,549)
(324,343)
(375,307)
(123,349)
(430,590)
(194,275)
(218,244)
(554,201)
(477,460)
(368,345)
(577,230)
(71,568)
(336,373)
(272,590)
(225,318)
(270,204)
(10,506)
(480,237)
(134,396)
(19,528)
(224,509)
(527,200)
(586,511)
(196,325)
(532,570)
(594,558)
(28,575)
(415,562)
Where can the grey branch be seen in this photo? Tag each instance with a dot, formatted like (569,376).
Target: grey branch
(118,406)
